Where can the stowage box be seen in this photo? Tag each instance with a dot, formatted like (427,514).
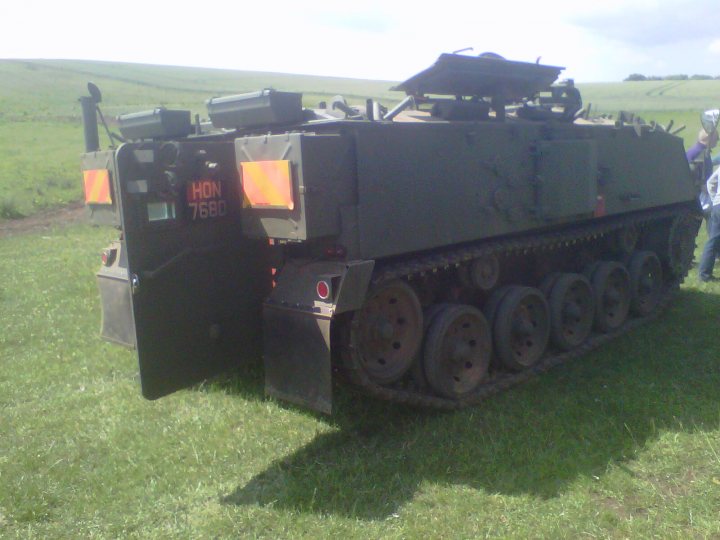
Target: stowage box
(266,107)
(157,123)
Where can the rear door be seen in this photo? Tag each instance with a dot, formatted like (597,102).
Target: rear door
(197,284)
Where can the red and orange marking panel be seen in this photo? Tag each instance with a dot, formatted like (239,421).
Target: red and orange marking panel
(267,184)
(97,186)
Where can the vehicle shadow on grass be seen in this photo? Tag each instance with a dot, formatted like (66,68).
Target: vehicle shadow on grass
(535,439)
(246,379)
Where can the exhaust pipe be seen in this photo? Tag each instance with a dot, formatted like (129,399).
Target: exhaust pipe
(89,114)
(90,126)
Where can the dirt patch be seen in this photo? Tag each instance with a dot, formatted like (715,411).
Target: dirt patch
(43,221)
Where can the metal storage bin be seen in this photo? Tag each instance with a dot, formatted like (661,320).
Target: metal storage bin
(158,123)
(266,107)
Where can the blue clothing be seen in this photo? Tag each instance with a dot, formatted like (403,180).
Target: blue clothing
(694,151)
(712,246)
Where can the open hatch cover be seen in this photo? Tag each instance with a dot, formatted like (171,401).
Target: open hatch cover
(483,76)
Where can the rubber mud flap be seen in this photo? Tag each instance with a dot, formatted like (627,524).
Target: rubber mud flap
(297,357)
(117,323)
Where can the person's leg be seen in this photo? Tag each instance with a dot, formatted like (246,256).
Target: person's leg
(712,246)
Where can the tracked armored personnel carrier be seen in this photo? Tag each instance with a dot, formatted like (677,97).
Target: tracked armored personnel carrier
(481,231)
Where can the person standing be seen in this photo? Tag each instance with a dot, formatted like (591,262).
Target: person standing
(712,246)
(699,153)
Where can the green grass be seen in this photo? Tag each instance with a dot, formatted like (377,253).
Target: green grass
(41,132)
(653,95)
(40,118)
(45,173)
(623,443)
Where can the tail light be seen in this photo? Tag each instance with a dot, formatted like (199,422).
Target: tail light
(108,256)
(323,289)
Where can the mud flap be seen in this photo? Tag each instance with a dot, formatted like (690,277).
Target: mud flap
(296,327)
(117,324)
(297,357)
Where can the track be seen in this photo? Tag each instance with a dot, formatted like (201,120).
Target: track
(402,392)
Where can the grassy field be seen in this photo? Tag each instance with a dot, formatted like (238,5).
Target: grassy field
(623,443)
(40,119)
(41,132)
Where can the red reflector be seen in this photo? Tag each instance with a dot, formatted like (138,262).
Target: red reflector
(323,289)
(108,256)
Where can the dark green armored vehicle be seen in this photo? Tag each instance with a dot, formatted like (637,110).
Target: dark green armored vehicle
(483,230)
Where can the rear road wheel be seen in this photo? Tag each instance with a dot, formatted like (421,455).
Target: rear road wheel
(388,333)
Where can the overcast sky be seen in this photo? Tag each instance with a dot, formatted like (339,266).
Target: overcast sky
(596,40)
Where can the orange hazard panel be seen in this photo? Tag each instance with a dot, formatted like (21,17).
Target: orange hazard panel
(97,186)
(267,184)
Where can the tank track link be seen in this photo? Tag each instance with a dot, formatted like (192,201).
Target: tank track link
(525,244)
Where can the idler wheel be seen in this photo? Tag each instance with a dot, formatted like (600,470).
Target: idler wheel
(611,285)
(645,282)
(457,351)
(389,331)
(572,310)
(521,328)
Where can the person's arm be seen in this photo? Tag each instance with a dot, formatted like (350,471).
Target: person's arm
(695,151)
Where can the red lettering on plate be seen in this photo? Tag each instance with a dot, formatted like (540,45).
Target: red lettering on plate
(204,190)
(204,199)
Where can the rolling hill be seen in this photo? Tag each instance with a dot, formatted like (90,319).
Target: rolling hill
(41,132)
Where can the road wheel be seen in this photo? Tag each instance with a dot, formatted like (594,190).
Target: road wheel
(457,351)
(521,328)
(611,286)
(646,282)
(388,333)
(572,310)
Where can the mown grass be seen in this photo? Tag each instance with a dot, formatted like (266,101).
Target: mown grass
(41,132)
(623,443)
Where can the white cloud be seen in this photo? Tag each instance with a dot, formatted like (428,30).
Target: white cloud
(714,47)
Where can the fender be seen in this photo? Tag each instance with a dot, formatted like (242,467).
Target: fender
(296,328)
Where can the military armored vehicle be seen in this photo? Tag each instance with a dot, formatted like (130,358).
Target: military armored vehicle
(482,230)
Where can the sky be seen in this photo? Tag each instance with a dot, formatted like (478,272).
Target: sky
(595,40)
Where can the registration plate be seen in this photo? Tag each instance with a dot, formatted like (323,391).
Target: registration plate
(206,199)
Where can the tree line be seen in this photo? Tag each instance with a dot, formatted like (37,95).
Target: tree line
(641,77)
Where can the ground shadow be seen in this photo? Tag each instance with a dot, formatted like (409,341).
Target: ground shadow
(246,380)
(534,439)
